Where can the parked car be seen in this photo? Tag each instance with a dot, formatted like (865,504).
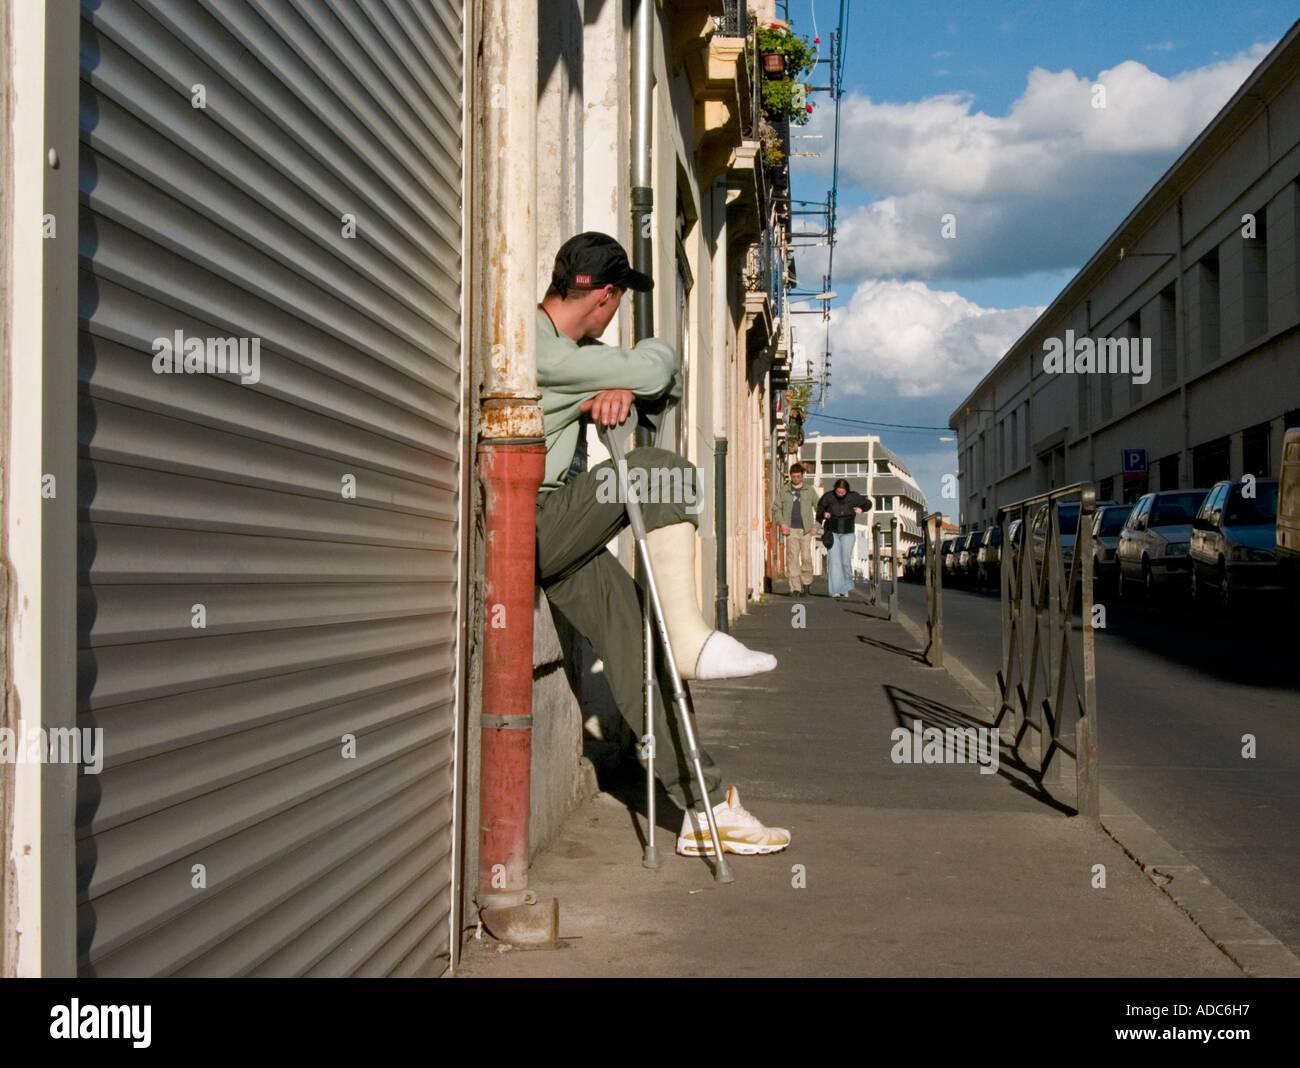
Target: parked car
(945,555)
(1016,535)
(966,561)
(1154,540)
(1068,513)
(971,572)
(1106,525)
(951,562)
(989,558)
(1288,511)
(1234,540)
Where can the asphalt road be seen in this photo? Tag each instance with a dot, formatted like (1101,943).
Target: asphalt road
(1177,688)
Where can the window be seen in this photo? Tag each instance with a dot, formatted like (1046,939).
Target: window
(1169,472)
(1110,521)
(1134,488)
(1257,511)
(1105,384)
(1213,506)
(1106,489)
(882,503)
(1254,280)
(1207,308)
(1168,344)
(1138,520)
(1171,510)
(1210,462)
(882,467)
(1255,450)
(1133,330)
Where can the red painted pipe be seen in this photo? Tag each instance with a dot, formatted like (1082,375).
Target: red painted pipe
(511,474)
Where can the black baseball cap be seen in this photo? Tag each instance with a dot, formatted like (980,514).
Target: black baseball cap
(592,259)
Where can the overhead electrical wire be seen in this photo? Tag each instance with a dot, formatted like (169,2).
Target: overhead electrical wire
(877,423)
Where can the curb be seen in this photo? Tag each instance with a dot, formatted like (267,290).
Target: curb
(1248,944)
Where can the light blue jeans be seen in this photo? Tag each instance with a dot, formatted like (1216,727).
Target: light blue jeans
(839,564)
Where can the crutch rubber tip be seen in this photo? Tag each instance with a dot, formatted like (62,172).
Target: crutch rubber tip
(722,872)
(651,858)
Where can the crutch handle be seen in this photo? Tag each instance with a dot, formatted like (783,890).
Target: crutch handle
(609,436)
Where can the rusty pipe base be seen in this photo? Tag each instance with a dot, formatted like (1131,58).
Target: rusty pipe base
(531,925)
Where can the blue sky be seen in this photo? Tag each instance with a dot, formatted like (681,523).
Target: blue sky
(987,113)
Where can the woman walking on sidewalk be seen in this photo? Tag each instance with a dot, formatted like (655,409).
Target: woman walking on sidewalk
(836,509)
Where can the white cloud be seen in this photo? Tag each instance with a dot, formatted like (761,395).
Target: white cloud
(1035,189)
(903,339)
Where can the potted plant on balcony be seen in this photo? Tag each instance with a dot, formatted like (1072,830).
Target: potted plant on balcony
(770,141)
(798,397)
(787,57)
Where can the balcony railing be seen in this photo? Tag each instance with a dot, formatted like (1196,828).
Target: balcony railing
(771,269)
(735,20)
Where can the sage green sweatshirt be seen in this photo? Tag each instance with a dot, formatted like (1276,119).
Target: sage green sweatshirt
(569,373)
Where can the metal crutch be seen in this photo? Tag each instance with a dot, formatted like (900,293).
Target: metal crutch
(721,870)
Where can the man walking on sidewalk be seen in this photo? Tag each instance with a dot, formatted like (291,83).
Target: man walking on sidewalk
(796,511)
(577,515)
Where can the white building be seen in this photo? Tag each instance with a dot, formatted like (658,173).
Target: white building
(875,472)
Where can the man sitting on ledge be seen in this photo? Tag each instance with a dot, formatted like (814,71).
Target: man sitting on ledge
(577,515)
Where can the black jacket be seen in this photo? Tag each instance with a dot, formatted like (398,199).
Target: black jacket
(841,510)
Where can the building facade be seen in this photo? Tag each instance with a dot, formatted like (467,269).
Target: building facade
(1172,359)
(244,360)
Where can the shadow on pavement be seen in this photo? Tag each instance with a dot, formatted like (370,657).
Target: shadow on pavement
(912,707)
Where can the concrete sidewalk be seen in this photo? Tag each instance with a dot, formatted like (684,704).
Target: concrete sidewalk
(894,869)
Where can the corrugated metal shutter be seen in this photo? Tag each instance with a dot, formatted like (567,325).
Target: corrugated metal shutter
(326,614)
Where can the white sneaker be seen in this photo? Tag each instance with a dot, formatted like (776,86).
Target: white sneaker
(738,831)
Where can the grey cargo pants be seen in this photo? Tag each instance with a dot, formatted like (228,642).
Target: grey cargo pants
(596,594)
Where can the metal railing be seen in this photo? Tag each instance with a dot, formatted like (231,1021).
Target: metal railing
(735,19)
(879,570)
(934,590)
(1042,675)
(771,268)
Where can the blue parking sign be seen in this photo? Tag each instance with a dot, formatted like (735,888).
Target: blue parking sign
(1135,461)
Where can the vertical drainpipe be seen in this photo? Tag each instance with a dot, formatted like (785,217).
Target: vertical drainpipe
(511,457)
(643,309)
(720,523)
(721,413)
(643,198)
